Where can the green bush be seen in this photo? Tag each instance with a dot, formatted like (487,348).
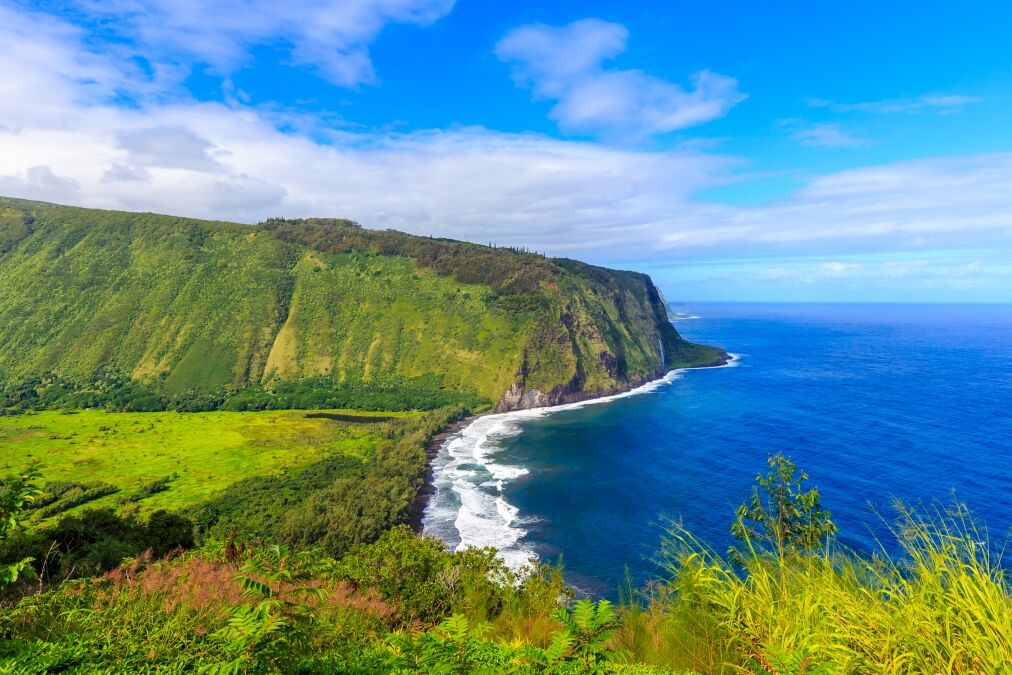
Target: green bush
(16,492)
(98,540)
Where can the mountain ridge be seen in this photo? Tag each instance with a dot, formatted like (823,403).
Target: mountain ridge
(187,305)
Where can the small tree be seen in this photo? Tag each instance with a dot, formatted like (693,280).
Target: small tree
(15,493)
(781,517)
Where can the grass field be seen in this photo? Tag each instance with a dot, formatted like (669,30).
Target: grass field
(202,452)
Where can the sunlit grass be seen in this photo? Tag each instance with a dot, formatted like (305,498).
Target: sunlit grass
(943,606)
(203,452)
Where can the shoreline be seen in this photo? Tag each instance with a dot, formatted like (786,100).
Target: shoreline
(428,488)
(436,443)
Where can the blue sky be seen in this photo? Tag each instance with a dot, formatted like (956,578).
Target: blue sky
(735,151)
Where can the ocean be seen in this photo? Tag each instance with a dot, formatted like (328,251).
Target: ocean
(876,403)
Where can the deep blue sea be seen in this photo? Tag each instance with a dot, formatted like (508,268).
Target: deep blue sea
(875,402)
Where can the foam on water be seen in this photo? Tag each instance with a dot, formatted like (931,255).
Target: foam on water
(469,507)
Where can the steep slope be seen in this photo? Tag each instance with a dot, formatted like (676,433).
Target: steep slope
(187,305)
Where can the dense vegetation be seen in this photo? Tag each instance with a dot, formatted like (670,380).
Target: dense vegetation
(110,390)
(788,601)
(138,312)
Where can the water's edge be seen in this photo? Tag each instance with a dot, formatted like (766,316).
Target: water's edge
(432,448)
(462,502)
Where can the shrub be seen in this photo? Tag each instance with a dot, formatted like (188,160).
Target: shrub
(782,517)
(15,493)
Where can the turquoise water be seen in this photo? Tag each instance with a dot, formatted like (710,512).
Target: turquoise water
(874,402)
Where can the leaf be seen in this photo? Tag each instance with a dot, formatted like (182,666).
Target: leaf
(562,643)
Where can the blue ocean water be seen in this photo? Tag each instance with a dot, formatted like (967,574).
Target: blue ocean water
(875,402)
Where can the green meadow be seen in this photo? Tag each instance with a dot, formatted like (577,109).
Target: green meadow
(199,453)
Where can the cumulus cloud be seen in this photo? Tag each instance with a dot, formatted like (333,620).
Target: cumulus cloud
(941,202)
(332,36)
(123,173)
(47,73)
(40,182)
(170,147)
(565,64)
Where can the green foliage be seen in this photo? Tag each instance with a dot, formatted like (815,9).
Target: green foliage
(16,493)
(942,606)
(71,495)
(106,389)
(405,569)
(141,312)
(273,632)
(335,503)
(148,489)
(95,541)
(382,393)
(586,632)
(359,507)
(505,270)
(454,646)
(459,645)
(782,518)
(257,507)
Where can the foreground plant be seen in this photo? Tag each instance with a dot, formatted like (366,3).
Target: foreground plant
(272,632)
(942,606)
(16,492)
(782,517)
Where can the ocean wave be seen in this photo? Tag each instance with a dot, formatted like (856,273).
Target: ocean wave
(469,507)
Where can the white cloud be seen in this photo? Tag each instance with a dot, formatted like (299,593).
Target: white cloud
(171,147)
(926,272)
(74,145)
(332,36)
(40,182)
(837,268)
(829,136)
(125,173)
(941,103)
(931,203)
(564,63)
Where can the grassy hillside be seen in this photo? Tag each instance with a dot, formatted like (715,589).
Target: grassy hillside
(185,306)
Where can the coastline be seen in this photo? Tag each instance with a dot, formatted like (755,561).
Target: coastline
(433,447)
(428,488)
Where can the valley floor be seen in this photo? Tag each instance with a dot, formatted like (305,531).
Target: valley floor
(196,454)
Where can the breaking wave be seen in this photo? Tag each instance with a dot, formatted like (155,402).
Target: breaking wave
(468,507)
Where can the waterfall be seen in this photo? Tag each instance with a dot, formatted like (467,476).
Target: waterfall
(660,345)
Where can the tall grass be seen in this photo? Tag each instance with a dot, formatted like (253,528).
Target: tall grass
(941,606)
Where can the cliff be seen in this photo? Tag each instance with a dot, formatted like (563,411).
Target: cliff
(185,305)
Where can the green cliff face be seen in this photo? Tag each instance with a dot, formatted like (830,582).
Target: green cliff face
(188,305)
